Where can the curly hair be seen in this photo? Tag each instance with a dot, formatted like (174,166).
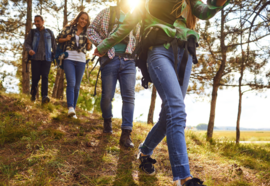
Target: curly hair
(76,19)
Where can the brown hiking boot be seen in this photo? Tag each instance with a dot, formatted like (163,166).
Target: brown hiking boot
(107,126)
(125,138)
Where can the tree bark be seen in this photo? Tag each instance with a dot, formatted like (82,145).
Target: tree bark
(216,81)
(25,69)
(58,89)
(152,106)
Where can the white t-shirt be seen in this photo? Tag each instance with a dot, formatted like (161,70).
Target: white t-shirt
(74,55)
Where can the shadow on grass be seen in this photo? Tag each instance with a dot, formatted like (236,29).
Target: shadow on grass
(124,173)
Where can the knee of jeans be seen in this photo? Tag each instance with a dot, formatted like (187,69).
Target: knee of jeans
(71,84)
(106,97)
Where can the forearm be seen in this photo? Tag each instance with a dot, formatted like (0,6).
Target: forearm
(123,31)
(62,40)
(93,36)
(209,10)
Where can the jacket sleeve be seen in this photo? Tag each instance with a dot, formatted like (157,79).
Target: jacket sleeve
(53,43)
(94,30)
(63,34)
(205,11)
(131,20)
(28,42)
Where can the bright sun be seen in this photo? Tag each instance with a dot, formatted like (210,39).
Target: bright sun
(133,3)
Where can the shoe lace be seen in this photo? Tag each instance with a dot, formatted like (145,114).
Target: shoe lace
(147,160)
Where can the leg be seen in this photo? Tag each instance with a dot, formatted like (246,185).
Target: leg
(127,79)
(36,72)
(45,73)
(79,69)
(160,66)
(69,68)
(159,129)
(109,78)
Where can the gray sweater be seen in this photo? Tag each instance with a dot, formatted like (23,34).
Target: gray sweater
(40,54)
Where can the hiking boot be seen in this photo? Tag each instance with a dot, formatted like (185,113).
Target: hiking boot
(71,112)
(147,164)
(125,138)
(33,98)
(45,99)
(107,126)
(193,182)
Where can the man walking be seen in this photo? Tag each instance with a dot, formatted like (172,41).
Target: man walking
(40,44)
(116,65)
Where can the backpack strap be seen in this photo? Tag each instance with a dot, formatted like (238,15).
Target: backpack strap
(114,13)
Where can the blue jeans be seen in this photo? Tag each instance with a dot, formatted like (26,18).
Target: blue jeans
(172,118)
(125,72)
(74,72)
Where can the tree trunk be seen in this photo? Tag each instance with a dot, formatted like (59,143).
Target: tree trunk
(58,89)
(152,106)
(216,80)
(239,112)
(25,69)
(240,84)
(41,3)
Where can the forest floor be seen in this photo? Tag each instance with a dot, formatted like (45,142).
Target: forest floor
(40,145)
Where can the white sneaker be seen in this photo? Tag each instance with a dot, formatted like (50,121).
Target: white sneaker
(74,117)
(177,183)
(71,112)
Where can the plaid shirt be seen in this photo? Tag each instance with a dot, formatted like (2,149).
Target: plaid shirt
(71,45)
(99,30)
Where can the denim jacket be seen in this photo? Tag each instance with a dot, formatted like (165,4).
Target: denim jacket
(44,51)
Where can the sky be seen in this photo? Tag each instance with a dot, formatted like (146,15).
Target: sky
(254,114)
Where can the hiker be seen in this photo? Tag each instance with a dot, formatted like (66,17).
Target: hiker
(170,40)
(74,37)
(40,45)
(117,64)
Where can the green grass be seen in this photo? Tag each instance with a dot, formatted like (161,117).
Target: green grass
(40,145)
(244,135)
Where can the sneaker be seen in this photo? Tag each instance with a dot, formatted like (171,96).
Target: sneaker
(74,117)
(193,182)
(71,112)
(45,99)
(147,164)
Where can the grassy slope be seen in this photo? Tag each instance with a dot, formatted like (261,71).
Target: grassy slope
(41,146)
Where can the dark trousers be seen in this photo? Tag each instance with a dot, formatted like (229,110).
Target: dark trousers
(40,68)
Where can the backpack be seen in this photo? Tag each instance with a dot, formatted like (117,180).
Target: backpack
(32,31)
(156,36)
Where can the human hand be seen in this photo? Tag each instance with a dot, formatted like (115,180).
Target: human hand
(32,52)
(221,2)
(96,53)
(68,38)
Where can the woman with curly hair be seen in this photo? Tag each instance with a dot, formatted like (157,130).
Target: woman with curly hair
(169,41)
(76,43)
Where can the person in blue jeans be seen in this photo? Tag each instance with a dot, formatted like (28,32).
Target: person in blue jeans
(116,65)
(169,38)
(76,43)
